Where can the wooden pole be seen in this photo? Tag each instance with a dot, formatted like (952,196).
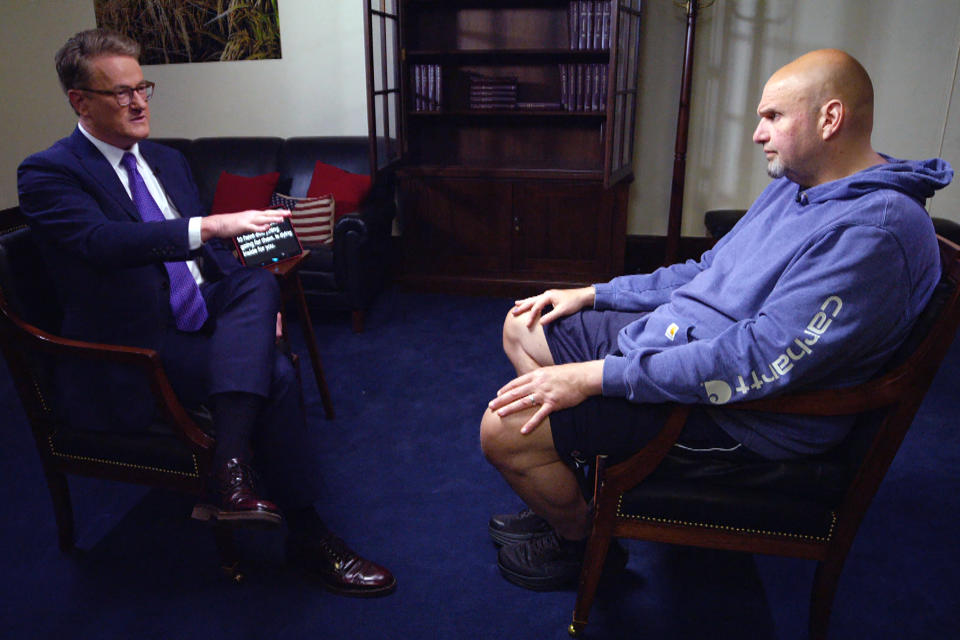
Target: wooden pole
(680,149)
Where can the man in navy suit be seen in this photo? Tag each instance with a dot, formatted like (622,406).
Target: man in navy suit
(136,262)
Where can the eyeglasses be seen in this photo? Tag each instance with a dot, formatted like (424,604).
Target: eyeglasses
(125,96)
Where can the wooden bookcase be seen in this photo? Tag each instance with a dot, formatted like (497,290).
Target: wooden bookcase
(506,195)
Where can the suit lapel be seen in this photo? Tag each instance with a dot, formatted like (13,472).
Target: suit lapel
(102,173)
(169,177)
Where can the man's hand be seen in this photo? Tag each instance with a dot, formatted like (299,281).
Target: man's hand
(230,225)
(279,326)
(549,389)
(563,301)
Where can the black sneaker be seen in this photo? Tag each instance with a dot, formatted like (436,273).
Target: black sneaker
(511,528)
(549,562)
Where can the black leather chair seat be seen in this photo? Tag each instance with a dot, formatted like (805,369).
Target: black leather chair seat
(784,498)
(723,508)
(153,452)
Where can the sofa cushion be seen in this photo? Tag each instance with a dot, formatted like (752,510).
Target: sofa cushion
(312,218)
(348,189)
(239,193)
(299,156)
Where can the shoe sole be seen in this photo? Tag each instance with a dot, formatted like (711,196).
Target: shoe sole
(257,519)
(377,592)
(359,592)
(503,538)
(556,584)
(537,584)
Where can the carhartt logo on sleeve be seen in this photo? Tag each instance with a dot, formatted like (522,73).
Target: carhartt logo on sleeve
(671,331)
(719,392)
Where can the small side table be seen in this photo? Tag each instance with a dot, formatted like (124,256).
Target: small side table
(287,273)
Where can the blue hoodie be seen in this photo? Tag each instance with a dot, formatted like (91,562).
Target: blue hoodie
(812,288)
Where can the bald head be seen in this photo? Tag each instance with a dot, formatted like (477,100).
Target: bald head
(832,74)
(816,117)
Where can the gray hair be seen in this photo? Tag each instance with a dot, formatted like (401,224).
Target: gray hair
(74,58)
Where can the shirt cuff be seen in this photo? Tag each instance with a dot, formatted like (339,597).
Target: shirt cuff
(613,385)
(604,295)
(193,232)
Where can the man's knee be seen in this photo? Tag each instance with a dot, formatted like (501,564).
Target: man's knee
(513,330)
(256,284)
(501,440)
(525,346)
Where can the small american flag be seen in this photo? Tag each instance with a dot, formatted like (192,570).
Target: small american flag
(312,218)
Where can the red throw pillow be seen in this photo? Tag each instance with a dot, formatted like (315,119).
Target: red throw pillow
(349,189)
(239,193)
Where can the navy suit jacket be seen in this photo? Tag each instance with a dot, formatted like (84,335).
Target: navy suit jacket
(108,264)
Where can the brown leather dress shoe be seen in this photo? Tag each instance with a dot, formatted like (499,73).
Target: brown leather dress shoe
(340,569)
(231,498)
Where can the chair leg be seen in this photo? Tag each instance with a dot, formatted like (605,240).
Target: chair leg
(229,555)
(62,509)
(825,582)
(597,547)
(357,318)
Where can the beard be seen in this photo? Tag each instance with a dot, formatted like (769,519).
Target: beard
(775,168)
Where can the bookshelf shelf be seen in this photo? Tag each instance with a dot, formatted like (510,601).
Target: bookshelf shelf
(499,114)
(509,56)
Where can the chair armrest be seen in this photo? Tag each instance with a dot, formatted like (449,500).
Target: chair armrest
(30,337)
(873,394)
(632,471)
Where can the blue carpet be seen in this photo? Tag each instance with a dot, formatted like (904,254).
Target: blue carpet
(406,484)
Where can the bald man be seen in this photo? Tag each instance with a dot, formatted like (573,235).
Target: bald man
(816,287)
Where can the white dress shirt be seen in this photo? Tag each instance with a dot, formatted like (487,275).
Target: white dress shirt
(114,155)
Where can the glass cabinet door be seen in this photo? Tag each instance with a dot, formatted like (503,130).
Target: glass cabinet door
(623,82)
(384,89)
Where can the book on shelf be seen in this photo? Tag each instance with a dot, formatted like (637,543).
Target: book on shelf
(427,87)
(588,24)
(583,87)
(564,88)
(590,101)
(493,91)
(573,24)
(586,13)
(605,26)
(417,88)
(492,99)
(540,106)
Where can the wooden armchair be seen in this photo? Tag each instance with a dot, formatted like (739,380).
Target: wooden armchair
(175,453)
(808,508)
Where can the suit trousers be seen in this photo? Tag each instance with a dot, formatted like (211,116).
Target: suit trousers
(236,351)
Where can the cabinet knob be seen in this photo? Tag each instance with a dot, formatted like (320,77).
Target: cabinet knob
(516,223)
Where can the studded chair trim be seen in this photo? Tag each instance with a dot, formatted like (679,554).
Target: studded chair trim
(127,465)
(728,528)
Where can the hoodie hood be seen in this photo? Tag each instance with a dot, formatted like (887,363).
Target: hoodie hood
(918,179)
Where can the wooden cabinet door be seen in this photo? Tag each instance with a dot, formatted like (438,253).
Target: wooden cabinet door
(455,226)
(564,229)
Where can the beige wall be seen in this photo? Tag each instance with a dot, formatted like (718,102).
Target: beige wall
(910,47)
(317,88)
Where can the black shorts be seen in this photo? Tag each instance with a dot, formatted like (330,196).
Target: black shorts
(616,427)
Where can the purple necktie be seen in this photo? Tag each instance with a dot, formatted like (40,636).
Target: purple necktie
(189,309)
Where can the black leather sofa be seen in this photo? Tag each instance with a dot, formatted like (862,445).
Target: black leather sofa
(346,276)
